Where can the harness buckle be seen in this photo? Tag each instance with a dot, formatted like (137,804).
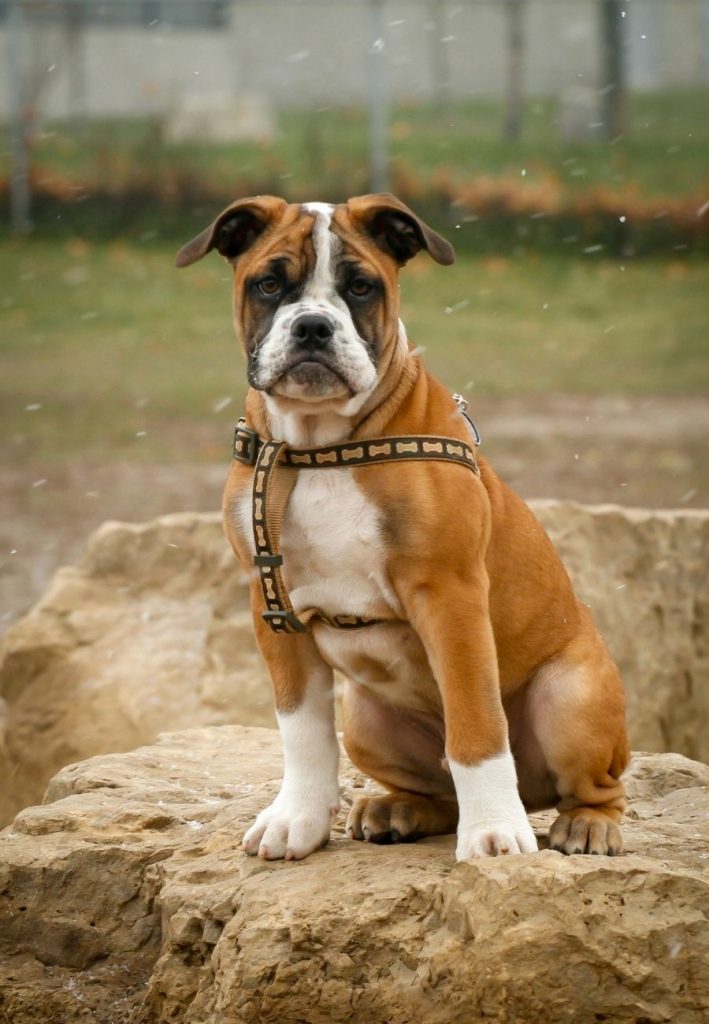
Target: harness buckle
(462,404)
(268,561)
(246,444)
(278,621)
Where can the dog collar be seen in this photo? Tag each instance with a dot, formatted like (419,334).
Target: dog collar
(276,467)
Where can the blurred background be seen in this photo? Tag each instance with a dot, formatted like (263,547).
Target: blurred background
(561,146)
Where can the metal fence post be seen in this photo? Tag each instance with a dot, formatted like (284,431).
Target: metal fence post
(704,35)
(613,58)
(514,93)
(378,100)
(440,63)
(20,198)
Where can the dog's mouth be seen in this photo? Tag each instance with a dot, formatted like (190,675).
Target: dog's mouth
(311,375)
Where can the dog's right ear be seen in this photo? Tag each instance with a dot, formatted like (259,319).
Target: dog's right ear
(234,230)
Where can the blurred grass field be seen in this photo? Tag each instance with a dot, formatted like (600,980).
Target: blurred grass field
(105,347)
(665,149)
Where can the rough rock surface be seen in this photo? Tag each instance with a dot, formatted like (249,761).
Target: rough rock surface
(125,898)
(151,632)
(644,574)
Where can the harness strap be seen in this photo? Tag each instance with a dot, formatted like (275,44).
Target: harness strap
(273,484)
(275,476)
(270,495)
(408,448)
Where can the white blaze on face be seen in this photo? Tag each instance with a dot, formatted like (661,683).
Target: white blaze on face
(347,354)
(321,287)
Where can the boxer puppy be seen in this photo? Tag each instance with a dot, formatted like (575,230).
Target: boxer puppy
(484,690)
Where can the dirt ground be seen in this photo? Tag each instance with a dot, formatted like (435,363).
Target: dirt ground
(648,451)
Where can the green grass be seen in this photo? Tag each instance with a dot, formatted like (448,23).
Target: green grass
(638,194)
(553,325)
(665,151)
(127,356)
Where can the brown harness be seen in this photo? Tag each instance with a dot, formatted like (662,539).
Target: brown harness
(276,472)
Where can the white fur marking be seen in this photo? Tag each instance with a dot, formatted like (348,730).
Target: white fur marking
(299,819)
(334,556)
(321,286)
(492,819)
(305,429)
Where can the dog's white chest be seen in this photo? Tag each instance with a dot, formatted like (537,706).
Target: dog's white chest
(334,560)
(333,554)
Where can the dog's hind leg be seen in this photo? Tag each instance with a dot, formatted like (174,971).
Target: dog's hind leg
(575,709)
(404,751)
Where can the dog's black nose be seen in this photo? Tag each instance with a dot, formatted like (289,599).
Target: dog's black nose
(312,331)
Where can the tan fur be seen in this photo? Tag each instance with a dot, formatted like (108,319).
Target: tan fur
(508,645)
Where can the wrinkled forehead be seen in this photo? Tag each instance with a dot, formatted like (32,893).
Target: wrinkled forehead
(312,234)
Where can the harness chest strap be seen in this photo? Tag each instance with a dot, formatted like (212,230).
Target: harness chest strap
(275,475)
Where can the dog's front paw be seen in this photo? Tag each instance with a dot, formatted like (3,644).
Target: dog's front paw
(495,840)
(493,821)
(290,829)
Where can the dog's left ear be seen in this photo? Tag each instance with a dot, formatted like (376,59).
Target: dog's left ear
(234,230)
(397,230)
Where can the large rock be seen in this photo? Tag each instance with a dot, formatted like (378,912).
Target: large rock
(151,631)
(125,898)
(645,576)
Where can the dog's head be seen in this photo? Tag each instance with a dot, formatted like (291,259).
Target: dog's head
(316,300)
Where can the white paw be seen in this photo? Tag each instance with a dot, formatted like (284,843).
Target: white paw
(493,821)
(290,829)
(495,840)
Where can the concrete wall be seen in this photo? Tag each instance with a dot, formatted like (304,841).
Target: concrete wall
(316,52)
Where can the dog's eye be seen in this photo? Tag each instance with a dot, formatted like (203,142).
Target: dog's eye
(269,285)
(360,287)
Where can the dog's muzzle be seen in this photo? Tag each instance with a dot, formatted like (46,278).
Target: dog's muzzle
(312,354)
(312,363)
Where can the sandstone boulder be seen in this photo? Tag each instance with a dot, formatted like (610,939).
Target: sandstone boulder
(125,899)
(645,576)
(151,631)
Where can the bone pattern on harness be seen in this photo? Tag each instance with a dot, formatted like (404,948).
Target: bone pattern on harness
(276,469)
(248,445)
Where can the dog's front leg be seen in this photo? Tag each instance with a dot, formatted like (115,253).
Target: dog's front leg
(453,622)
(299,819)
